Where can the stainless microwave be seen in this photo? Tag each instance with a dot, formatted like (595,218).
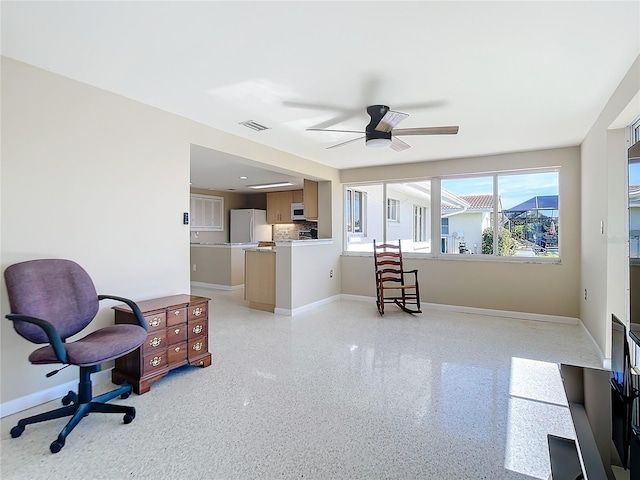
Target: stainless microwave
(297,211)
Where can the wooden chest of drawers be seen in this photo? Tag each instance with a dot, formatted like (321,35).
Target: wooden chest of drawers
(178,328)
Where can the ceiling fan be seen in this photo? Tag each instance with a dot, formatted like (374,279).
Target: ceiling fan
(381,131)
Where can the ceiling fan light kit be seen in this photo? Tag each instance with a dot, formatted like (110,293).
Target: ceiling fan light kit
(381,131)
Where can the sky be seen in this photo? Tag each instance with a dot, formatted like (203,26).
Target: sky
(514,189)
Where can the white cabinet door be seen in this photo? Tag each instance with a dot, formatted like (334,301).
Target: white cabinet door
(207,213)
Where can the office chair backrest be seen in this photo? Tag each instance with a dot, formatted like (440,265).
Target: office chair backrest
(58,291)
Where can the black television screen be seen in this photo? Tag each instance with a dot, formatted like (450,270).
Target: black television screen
(620,361)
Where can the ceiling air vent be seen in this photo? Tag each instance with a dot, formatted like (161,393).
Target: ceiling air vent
(254,125)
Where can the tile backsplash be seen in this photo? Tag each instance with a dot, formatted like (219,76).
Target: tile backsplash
(290,231)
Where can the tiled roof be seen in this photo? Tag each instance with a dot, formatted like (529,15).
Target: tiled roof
(634,188)
(478,201)
(474,201)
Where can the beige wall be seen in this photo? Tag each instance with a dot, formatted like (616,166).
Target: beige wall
(548,289)
(604,184)
(217,265)
(103,180)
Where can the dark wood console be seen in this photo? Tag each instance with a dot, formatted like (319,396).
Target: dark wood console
(177,335)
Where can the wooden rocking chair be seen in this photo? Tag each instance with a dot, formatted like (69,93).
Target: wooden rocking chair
(390,275)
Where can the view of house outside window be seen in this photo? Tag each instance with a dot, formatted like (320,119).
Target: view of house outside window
(393,208)
(522,206)
(467,206)
(525,211)
(405,216)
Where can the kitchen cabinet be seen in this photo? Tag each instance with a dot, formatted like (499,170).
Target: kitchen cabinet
(279,207)
(260,279)
(310,199)
(279,203)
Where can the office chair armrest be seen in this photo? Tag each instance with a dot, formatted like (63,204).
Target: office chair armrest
(132,305)
(54,337)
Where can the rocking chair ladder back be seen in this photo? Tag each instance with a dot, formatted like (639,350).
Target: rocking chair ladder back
(393,283)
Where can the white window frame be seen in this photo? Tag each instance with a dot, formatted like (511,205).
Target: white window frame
(206,213)
(419,223)
(352,192)
(393,210)
(436,217)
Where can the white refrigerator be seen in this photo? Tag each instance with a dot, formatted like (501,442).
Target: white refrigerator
(249,225)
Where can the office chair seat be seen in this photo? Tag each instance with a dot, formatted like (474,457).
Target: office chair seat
(100,346)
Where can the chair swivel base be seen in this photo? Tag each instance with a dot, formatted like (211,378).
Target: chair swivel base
(78,410)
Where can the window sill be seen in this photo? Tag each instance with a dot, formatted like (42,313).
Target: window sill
(466,258)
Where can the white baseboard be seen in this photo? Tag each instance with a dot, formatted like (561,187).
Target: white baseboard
(53,393)
(307,307)
(215,286)
(482,311)
(540,317)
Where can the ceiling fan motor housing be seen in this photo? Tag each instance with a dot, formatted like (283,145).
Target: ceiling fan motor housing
(376,138)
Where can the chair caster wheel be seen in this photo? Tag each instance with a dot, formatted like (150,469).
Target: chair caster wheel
(128,418)
(16,431)
(56,446)
(124,396)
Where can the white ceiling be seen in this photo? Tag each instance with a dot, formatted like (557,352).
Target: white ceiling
(513,75)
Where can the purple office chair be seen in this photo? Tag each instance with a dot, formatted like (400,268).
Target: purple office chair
(52,300)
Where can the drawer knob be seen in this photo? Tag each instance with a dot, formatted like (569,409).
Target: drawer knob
(177,349)
(197,329)
(197,346)
(155,361)
(176,331)
(198,311)
(155,342)
(176,313)
(154,322)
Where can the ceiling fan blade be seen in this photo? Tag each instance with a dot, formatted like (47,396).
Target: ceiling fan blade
(330,130)
(390,120)
(426,131)
(398,145)
(345,143)
(343,113)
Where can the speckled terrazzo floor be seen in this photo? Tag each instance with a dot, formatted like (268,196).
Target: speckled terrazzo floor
(334,393)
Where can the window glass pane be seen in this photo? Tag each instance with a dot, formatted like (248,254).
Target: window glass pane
(529,216)
(393,207)
(364,216)
(467,207)
(412,225)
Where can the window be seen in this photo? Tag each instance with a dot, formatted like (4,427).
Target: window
(444,226)
(354,214)
(420,217)
(522,207)
(466,205)
(206,213)
(388,215)
(393,208)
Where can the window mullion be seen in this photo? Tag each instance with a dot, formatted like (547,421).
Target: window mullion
(496,224)
(436,215)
